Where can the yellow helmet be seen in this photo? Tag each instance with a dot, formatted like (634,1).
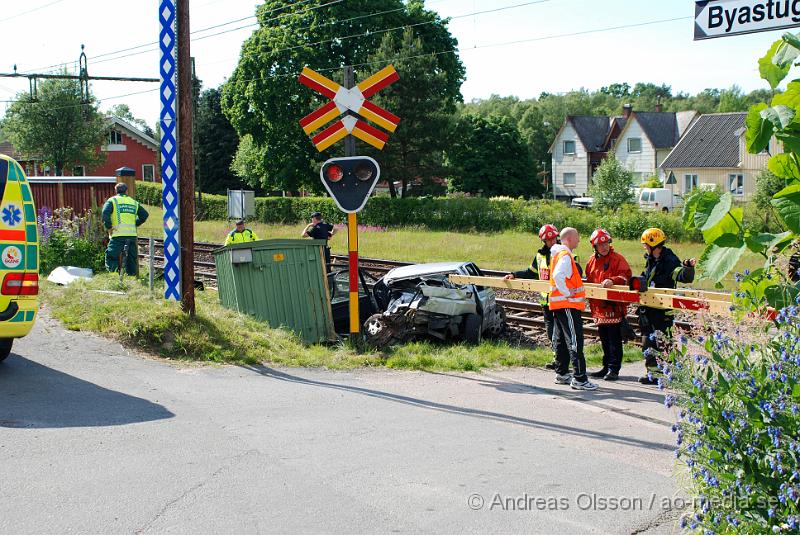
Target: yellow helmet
(654,237)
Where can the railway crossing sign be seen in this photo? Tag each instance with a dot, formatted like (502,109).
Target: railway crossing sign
(350,181)
(353,103)
(724,18)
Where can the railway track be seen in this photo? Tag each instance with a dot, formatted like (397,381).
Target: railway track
(521,314)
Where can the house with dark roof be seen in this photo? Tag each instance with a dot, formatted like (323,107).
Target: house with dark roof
(647,139)
(714,152)
(640,140)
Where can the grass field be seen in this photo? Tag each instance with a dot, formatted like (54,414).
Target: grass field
(501,251)
(147,322)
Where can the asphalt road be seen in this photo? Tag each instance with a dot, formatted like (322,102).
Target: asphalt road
(95,439)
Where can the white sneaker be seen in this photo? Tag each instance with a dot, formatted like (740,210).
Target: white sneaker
(563,379)
(585,385)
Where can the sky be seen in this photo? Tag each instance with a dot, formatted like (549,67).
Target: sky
(509,47)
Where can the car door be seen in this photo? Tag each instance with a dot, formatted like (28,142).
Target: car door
(485,297)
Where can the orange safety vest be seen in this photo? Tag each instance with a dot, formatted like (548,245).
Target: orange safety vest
(557,299)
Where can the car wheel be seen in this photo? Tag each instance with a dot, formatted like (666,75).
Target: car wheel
(473,329)
(5,347)
(377,331)
(665,210)
(497,322)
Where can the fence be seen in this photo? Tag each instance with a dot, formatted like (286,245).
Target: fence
(78,193)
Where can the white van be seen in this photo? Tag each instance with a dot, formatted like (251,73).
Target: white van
(659,199)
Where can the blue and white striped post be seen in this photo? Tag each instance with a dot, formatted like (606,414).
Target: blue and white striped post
(169,163)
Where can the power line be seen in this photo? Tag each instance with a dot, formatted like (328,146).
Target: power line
(12,17)
(437,53)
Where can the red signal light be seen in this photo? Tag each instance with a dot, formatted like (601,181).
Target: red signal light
(334,173)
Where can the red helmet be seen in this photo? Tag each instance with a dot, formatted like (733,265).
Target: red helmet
(548,232)
(599,236)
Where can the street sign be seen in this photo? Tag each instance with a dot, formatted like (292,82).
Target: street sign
(354,104)
(350,181)
(671,178)
(723,18)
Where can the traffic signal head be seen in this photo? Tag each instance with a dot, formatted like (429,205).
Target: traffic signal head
(350,181)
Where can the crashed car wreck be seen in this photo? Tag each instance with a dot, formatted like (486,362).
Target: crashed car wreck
(420,301)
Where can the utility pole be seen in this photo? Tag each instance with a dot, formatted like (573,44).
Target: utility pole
(352,231)
(185,158)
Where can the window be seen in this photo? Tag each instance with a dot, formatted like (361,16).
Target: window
(569,147)
(79,170)
(569,179)
(736,184)
(638,178)
(115,138)
(689,183)
(634,144)
(148,172)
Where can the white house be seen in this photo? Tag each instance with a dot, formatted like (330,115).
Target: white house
(648,138)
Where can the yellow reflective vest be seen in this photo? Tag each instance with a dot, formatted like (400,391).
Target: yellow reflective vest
(123,216)
(245,236)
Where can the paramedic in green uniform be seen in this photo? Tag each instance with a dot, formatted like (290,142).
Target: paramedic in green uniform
(121,216)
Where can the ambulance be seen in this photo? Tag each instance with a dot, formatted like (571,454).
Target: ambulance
(19,256)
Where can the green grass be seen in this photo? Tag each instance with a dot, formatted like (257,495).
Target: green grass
(501,251)
(145,321)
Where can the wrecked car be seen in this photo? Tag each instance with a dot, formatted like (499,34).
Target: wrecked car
(420,301)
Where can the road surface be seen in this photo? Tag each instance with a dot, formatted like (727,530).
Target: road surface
(97,439)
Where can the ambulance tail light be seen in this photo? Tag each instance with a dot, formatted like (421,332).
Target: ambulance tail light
(20,284)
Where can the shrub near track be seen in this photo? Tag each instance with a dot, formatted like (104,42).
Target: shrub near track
(452,214)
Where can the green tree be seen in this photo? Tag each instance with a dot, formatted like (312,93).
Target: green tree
(216,145)
(425,98)
(732,100)
(488,157)
(262,97)
(612,184)
(58,126)
(123,111)
(768,185)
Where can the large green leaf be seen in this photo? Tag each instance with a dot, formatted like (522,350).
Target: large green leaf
(785,166)
(721,257)
(730,224)
(787,204)
(781,295)
(759,130)
(780,116)
(706,202)
(790,97)
(787,51)
(719,211)
(769,71)
(759,243)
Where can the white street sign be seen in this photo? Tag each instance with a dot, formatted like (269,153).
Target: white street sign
(723,18)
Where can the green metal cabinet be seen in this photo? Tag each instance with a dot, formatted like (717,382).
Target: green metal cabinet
(282,282)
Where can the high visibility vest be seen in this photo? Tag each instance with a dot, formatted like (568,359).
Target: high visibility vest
(246,235)
(557,299)
(542,268)
(123,216)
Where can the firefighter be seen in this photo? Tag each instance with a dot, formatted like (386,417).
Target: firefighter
(240,234)
(663,269)
(607,268)
(121,216)
(540,270)
(567,301)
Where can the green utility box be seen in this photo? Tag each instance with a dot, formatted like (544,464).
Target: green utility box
(282,282)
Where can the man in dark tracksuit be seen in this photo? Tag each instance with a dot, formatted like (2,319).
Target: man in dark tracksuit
(540,270)
(663,269)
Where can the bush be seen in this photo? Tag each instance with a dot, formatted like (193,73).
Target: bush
(69,240)
(612,185)
(457,214)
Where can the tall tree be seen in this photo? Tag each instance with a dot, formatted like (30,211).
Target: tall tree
(425,99)
(488,157)
(58,126)
(612,184)
(216,145)
(262,97)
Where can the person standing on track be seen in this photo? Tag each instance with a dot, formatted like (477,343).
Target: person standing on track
(567,301)
(121,216)
(240,234)
(663,269)
(320,230)
(607,268)
(540,270)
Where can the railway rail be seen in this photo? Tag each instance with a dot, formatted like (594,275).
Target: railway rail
(521,314)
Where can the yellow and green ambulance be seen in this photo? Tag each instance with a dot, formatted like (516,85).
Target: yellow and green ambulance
(19,255)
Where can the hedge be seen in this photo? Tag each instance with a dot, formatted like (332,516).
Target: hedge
(445,214)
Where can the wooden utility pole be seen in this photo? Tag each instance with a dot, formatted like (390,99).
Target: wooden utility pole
(185,157)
